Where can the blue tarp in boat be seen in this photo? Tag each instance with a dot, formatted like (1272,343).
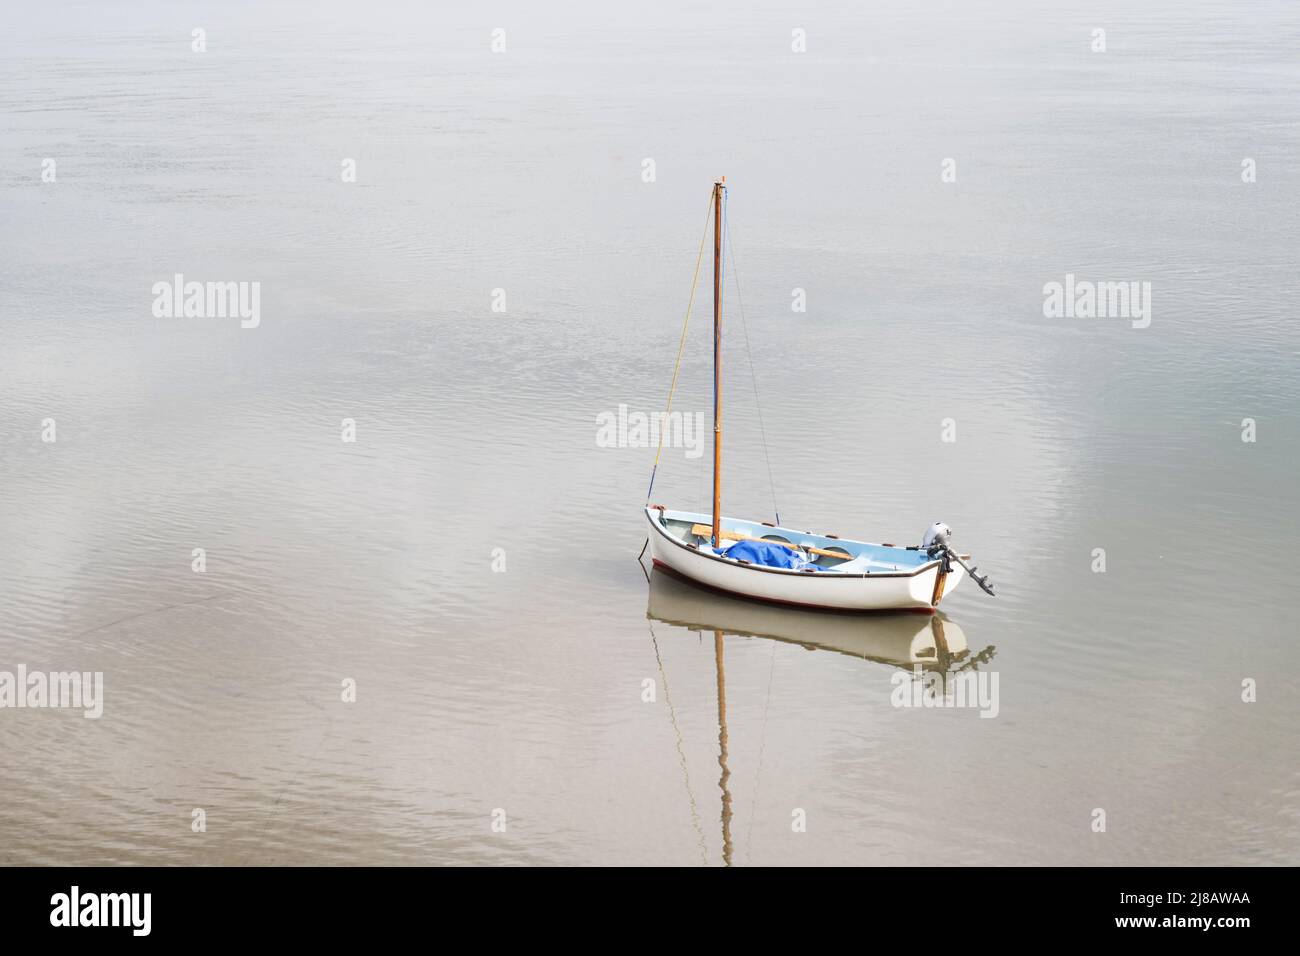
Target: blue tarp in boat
(767,554)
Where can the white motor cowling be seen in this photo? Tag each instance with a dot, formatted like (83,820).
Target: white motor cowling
(936,536)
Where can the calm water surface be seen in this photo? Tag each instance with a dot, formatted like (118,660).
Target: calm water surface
(523,690)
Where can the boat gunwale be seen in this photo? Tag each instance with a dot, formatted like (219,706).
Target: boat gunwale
(826,573)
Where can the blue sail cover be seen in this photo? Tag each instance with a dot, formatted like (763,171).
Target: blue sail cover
(768,554)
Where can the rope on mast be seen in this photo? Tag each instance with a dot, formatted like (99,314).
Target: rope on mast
(681,347)
(719,295)
(753,376)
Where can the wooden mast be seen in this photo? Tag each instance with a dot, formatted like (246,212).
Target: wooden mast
(719,188)
(722,749)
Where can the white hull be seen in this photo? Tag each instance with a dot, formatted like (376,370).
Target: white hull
(909,585)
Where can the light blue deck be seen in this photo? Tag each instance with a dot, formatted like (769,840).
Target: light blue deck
(864,557)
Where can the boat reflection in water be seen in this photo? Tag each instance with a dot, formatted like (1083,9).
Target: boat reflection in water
(930,643)
(902,639)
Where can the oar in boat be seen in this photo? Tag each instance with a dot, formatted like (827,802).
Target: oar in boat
(704,531)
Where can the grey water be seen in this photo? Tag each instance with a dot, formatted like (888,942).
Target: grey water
(433,644)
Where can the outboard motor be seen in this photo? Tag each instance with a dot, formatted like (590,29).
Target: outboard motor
(936,538)
(935,544)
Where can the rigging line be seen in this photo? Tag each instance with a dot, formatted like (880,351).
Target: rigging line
(753,376)
(758,773)
(699,491)
(681,754)
(681,347)
(641,564)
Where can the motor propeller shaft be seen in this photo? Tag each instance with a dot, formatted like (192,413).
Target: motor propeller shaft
(981,580)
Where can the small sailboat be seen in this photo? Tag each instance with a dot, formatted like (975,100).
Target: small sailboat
(769,562)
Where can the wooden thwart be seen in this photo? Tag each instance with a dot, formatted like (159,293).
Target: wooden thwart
(705,531)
